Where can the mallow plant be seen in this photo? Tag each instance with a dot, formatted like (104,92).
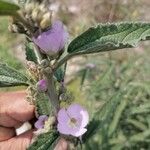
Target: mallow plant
(47,51)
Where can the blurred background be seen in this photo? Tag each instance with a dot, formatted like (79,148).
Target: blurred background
(122,75)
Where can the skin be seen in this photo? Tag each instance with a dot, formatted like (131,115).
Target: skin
(14,111)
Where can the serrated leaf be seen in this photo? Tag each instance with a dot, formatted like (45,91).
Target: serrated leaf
(30,55)
(42,103)
(8,8)
(11,77)
(45,141)
(106,37)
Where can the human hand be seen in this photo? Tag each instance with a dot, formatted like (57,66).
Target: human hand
(14,111)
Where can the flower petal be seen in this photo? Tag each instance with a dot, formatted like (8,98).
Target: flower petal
(78,132)
(39,125)
(85,117)
(43,118)
(78,112)
(63,128)
(52,40)
(74,110)
(62,116)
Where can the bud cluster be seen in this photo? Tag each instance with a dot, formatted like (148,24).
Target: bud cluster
(16,27)
(37,16)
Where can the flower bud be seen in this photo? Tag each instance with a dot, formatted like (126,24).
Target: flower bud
(90,66)
(44,63)
(46,21)
(13,28)
(35,14)
(39,124)
(42,85)
(53,40)
(29,7)
(42,7)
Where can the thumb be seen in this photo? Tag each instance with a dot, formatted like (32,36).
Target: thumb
(20,142)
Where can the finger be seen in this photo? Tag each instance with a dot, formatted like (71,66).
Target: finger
(6,133)
(14,108)
(20,142)
(61,145)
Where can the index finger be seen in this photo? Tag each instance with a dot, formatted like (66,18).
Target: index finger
(14,108)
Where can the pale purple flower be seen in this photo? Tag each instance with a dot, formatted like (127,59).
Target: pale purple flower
(90,65)
(73,120)
(39,124)
(53,40)
(42,85)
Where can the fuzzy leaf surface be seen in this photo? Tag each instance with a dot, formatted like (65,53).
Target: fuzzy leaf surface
(45,141)
(42,104)
(11,77)
(106,37)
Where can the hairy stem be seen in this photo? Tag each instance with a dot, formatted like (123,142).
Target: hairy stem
(38,54)
(62,61)
(65,59)
(52,94)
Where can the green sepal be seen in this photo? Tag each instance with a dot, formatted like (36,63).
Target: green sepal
(30,54)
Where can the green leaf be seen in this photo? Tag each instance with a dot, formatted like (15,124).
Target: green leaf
(11,77)
(30,55)
(45,141)
(91,130)
(42,103)
(106,37)
(60,73)
(7,8)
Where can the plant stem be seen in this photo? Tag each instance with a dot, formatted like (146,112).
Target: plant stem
(39,58)
(52,94)
(38,54)
(62,61)
(66,58)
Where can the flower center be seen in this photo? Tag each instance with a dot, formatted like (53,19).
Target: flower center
(72,122)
